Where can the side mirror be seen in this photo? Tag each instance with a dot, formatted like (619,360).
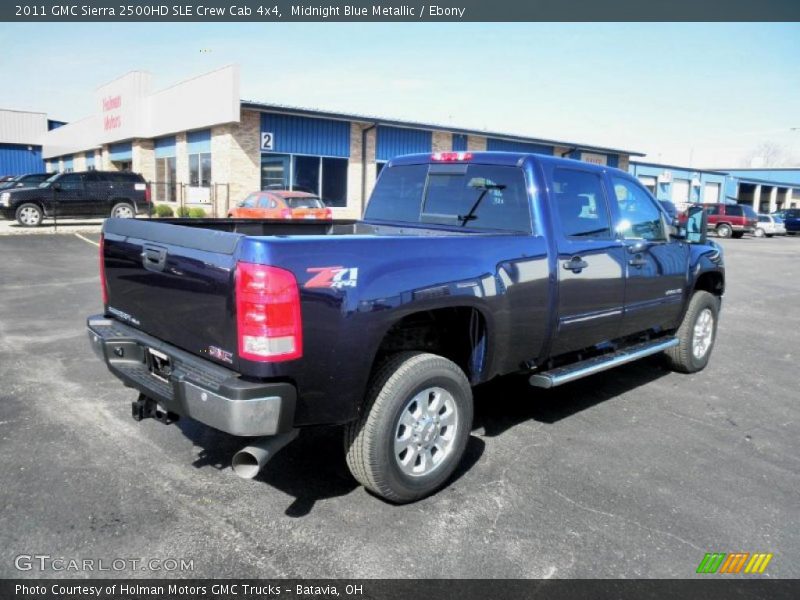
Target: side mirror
(57,186)
(676,230)
(696,224)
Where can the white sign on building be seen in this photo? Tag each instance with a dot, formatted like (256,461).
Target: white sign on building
(595,159)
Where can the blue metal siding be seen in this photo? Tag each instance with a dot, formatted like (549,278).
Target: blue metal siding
(121,152)
(395,141)
(613,160)
(51,124)
(696,193)
(304,135)
(16,159)
(459,142)
(498,145)
(198,142)
(165,147)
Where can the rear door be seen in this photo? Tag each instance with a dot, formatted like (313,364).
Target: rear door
(591,271)
(656,266)
(96,187)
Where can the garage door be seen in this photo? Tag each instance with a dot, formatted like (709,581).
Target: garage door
(680,193)
(711,193)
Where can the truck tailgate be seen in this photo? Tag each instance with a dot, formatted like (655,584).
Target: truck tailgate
(174,283)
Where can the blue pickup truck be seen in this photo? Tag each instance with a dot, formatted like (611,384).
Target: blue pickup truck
(465,267)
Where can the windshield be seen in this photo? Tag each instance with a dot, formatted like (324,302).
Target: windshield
(49,180)
(304,203)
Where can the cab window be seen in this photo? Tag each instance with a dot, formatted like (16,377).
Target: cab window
(581,204)
(250,201)
(640,218)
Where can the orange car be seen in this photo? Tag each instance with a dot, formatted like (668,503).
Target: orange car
(281,204)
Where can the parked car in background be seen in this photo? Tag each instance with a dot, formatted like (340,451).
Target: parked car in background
(5,178)
(281,204)
(728,220)
(671,209)
(769,225)
(791,220)
(120,194)
(28,180)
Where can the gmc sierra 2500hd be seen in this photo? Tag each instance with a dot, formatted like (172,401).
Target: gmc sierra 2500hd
(466,266)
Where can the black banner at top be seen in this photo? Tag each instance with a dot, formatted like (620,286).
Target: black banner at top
(210,11)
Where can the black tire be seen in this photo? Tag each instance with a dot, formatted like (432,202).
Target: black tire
(29,214)
(682,357)
(737,235)
(126,207)
(370,440)
(769,235)
(724,230)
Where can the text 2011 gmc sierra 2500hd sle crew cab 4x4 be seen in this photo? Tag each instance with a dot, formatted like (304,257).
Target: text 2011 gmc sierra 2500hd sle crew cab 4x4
(466,266)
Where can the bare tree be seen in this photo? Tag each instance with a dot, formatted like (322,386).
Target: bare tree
(768,154)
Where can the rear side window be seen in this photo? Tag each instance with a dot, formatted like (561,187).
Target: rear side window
(474,196)
(581,204)
(763,219)
(734,210)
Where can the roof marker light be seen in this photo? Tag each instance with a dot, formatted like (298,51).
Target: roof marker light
(451,156)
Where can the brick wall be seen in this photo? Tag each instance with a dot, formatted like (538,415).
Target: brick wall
(476,143)
(143,159)
(79,162)
(244,155)
(442,141)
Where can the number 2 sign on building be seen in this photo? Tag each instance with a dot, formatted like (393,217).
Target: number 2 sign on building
(267,140)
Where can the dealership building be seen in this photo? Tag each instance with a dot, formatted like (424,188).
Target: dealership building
(199,144)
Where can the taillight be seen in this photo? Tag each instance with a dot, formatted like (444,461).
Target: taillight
(103,284)
(451,156)
(267,313)
(147,193)
(286,213)
(328,213)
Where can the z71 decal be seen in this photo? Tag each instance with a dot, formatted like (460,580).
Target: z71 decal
(332,277)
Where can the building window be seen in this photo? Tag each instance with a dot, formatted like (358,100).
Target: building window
(164,188)
(200,169)
(320,175)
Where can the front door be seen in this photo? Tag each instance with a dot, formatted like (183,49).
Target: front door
(70,199)
(656,266)
(591,271)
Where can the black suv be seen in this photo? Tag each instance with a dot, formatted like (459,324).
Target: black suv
(86,194)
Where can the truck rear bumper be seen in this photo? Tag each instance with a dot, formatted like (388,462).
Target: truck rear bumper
(193,387)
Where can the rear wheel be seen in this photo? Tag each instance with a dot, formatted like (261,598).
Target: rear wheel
(29,215)
(759,232)
(414,428)
(696,335)
(724,230)
(123,210)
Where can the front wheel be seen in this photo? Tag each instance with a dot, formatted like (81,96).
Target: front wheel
(760,233)
(414,428)
(696,335)
(29,215)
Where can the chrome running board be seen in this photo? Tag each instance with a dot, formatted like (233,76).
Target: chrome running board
(590,366)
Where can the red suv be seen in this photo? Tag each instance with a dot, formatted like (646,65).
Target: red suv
(729,220)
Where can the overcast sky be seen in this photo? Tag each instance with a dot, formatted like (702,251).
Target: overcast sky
(698,94)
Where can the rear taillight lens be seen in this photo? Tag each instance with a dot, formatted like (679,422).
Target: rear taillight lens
(328,213)
(286,213)
(103,284)
(147,193)
(267,313)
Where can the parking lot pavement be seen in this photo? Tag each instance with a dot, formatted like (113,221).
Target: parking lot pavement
(8,227)
(636,472)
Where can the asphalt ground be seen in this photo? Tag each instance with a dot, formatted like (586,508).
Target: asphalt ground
(636,472)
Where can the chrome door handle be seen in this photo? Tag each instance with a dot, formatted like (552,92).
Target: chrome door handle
(576,264)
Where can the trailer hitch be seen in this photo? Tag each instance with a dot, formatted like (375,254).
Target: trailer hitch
(145,407)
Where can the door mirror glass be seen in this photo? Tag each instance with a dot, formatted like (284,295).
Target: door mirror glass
(696,222)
